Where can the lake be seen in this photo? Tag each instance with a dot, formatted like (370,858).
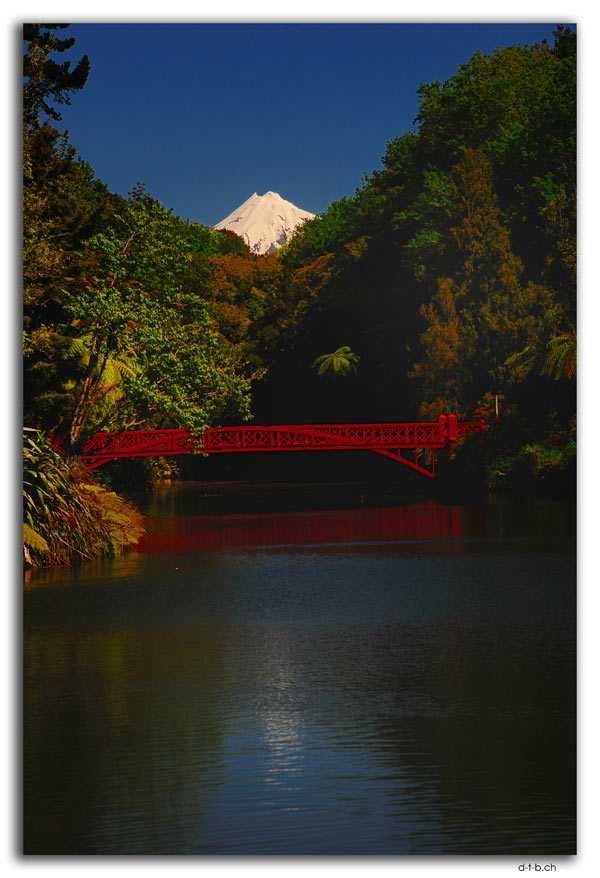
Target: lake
(293,669)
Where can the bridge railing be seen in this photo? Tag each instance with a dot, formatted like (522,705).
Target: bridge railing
(129,442)
(316,436)
(376,437)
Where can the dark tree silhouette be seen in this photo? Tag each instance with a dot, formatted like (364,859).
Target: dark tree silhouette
(43,79)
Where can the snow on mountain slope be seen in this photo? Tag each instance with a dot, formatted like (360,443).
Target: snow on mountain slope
(265,222)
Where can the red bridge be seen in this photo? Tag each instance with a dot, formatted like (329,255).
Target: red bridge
(391,440)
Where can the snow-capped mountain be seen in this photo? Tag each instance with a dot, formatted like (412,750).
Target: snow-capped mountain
(265,222)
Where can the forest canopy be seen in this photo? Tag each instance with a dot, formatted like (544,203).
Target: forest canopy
(450,273)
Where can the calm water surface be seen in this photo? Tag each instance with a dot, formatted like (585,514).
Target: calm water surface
(367,679)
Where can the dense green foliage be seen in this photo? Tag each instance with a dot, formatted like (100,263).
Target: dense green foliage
(450,275)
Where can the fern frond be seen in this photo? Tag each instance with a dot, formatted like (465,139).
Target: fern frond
(561,356)
(74,348)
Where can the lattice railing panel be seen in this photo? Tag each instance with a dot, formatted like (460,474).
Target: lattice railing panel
(325,436)
(138,442)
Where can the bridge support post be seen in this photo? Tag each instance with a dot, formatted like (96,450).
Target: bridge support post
(449,428)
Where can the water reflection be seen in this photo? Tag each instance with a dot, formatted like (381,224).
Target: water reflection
(400,681)
(175,530)
(191,532)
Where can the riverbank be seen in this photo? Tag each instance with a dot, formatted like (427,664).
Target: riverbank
(512,458)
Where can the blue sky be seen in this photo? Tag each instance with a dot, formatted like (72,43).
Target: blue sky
(207,114)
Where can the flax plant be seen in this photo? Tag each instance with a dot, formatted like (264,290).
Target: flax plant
(67,515)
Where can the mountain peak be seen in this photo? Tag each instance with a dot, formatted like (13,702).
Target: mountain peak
(265,222)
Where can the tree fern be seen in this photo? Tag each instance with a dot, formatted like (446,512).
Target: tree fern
(339,363)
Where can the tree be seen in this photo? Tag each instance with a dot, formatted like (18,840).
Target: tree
(444,372)
(474,316)
(519,105)
(149,352)
(44,79)
(63,207)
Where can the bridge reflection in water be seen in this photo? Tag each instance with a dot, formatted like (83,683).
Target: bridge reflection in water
(413,523)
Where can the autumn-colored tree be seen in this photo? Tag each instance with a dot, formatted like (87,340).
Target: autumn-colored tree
(448,344)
